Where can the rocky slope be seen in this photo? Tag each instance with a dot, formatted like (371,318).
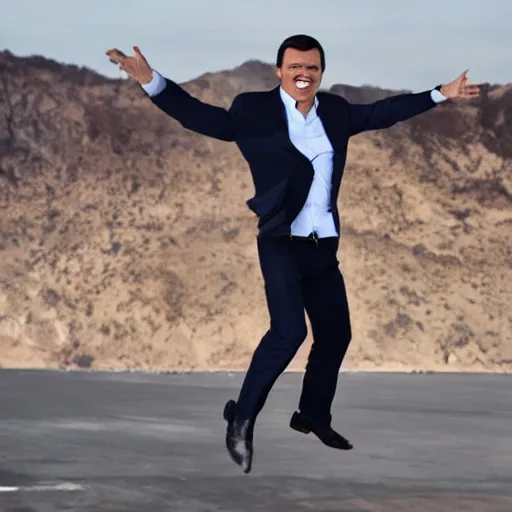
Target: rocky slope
(125,240)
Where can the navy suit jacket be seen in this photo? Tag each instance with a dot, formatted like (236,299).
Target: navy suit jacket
(282,175)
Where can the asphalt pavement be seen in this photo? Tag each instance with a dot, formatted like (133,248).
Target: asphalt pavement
(99,441)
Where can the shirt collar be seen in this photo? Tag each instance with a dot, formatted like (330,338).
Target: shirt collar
(290,102)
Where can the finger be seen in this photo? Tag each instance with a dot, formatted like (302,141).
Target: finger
(470,94)
(115,55)
(125,66)
(463,77)
(138,53)
(124,69)
(116,52)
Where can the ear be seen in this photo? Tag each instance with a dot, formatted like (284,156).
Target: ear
(278,72)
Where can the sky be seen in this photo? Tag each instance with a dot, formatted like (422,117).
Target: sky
(396,44)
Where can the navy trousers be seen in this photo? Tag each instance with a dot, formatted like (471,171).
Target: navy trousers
(300,277)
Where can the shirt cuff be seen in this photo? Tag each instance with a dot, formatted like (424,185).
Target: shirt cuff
(156,86)
(437,97)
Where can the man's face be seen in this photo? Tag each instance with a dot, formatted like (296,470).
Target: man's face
(301,74)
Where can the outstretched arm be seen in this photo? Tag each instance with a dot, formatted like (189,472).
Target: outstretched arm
(190,112)
(389,111)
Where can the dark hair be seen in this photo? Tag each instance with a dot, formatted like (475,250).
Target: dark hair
(302,43)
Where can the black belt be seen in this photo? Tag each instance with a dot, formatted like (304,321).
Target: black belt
(312,237)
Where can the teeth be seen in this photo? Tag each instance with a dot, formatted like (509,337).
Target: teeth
(301,84)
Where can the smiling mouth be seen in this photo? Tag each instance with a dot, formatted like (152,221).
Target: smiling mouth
(302,84)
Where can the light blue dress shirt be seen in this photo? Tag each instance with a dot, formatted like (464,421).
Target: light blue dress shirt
(308,136)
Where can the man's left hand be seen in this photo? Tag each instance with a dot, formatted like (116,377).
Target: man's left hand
(460,88)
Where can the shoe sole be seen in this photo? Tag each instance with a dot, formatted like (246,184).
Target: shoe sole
(305,430)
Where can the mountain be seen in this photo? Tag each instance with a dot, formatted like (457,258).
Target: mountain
(125,240)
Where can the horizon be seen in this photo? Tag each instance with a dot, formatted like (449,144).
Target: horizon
(123,76)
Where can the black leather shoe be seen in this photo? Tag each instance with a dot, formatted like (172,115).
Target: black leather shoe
(325,433)
(237,438)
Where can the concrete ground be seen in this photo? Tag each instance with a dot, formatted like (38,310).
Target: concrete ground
(141,442)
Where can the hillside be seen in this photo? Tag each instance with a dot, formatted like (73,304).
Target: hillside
(125,240)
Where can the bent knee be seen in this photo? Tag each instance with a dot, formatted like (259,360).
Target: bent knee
(342,343)
(298,336)
(291,337)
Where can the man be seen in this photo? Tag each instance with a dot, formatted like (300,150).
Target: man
(294,139)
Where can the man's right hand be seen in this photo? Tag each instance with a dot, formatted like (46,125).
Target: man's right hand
(137,67)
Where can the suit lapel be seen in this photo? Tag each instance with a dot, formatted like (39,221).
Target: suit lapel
(330,121)
(329,116)
(280,121)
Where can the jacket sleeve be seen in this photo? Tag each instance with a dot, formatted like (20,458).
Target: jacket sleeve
(389,111)
(196,115)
